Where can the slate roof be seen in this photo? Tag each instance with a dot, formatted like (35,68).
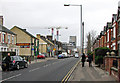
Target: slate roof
(24,30)
(4,29)
(45,39)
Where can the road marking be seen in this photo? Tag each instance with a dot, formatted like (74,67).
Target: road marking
(10,78)
(65,79)
(34,69)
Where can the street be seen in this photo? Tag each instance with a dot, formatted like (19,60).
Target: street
(51,70)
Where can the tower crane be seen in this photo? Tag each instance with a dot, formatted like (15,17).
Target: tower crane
(57,30)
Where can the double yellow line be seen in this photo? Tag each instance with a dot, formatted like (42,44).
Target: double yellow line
(65,79)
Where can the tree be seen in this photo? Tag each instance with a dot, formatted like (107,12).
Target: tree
(89,42)
(91,36)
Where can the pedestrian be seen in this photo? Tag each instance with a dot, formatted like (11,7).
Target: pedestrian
(83,59)
(7,60)
(90,60)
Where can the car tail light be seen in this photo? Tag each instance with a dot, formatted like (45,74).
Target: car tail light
(13,61)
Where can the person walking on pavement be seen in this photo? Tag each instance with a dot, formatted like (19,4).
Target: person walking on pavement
(7,60)
(90,60)
(83,59)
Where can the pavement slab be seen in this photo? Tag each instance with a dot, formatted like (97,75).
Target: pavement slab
(89,74)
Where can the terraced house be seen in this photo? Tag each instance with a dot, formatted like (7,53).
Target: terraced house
(45,45)
(110,37)
(7,40)
(27,43)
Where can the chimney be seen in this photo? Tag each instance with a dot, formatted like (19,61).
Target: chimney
(38,35)
(49,37)
(24,29)
(1,20)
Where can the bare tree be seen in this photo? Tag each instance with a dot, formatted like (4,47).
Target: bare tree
(89,42)
(91,36)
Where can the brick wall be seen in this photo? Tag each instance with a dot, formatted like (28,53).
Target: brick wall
(109,66)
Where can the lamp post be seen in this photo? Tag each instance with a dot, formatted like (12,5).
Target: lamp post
(81,24)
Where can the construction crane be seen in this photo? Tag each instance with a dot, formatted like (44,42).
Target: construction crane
(52,30)
(57,30)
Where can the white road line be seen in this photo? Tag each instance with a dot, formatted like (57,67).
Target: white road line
(34,69)
(45,65)
(10,78)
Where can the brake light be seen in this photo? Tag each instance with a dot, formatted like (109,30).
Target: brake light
(14,61)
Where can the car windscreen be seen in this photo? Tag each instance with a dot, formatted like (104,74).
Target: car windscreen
(14,58)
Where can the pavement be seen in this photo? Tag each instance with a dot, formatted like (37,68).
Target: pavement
(90,74)
(42,60)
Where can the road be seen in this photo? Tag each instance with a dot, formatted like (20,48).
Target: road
(50,70)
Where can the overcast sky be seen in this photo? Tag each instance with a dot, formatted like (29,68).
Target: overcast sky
(36,14)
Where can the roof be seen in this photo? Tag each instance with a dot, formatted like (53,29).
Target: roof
(24,30)
(46,40)
(4,29)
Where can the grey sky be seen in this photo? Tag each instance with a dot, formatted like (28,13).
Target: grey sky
(36,14)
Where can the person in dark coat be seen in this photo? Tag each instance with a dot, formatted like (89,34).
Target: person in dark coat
(90,60)
(7,60)
(83,59)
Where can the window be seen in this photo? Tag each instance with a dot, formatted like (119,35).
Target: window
(114,32)
(20,58)
(3,38)
(119,49)
(12,39)
(8,39)
(1,49)
(119,28)
(108,36)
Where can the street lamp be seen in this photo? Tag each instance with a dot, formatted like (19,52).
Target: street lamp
(81,24)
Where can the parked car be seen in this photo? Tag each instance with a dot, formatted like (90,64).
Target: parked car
(60,56)
(65,54)
(41,56)
(76,55)
(16,62)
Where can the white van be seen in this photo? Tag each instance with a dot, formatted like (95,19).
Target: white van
(65,54)
(76,55)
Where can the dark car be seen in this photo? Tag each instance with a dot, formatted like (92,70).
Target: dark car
(16,62)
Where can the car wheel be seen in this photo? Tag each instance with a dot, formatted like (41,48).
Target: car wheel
(4,69)
(18,67)
(26,65)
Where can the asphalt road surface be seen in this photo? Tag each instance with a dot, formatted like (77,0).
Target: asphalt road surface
(51,70)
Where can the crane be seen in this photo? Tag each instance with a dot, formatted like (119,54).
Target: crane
(57,30)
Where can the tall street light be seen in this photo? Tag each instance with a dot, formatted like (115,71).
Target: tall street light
(82,37)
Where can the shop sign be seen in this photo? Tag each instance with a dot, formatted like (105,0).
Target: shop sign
(23,44)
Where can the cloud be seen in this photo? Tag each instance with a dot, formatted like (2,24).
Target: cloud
(36,14)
